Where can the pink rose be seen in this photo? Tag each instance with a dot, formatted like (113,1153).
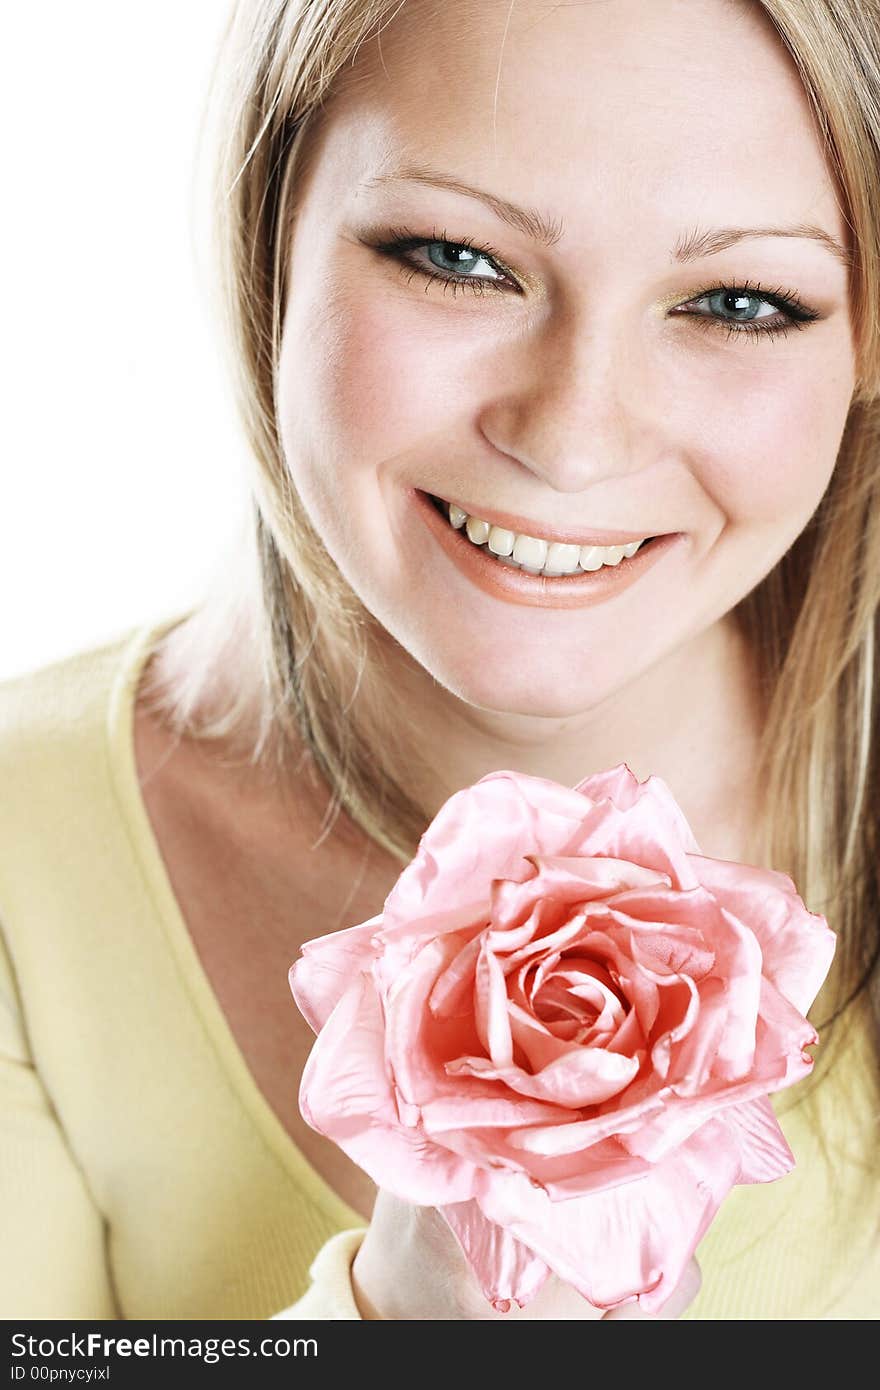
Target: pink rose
(562,1031)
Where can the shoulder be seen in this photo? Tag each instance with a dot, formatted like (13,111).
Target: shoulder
(60,729)
(51,724)
(58,701)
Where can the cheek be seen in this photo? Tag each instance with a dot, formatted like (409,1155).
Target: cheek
(364,411)
(363,382)
(770,444)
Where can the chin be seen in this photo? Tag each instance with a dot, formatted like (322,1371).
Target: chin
(542,695)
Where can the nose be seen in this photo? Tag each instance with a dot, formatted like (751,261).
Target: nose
(575,404)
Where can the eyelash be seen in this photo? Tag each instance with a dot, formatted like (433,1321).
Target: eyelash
(402,239)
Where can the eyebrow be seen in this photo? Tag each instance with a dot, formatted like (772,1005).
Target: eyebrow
(527,220)
(547,231)
(698,244)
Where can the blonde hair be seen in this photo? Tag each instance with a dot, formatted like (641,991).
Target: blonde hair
(302,646)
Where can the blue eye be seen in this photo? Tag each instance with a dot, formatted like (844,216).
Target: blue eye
(747,305)
(454,264)
(451,257)
(464,265)
(737,302)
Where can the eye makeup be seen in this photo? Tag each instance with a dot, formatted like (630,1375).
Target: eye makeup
(409,249)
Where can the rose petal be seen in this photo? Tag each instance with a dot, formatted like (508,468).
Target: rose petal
(580,1135)
(518,917)
(581,1076)
(452,995)
(539,1045)
(564,881)
(570,1175)
(738,960)
(327,967)
(490,1008)
(418,1047)
(663,1049)
(629,1038)
(506,1269)
(567,1019)
(694,1054)
(479,834)
(596,1243)
(417,1044)
(618,784)
(668,931)
(778,1063)
(782,1035)
(593,996)
(621,786)
(633,982)
(764,1153)
(397,949)
(652,1119)
(566,936)
(567,932)
(643,833)
(487,1106)
(345,1093)
(624,1240)
(580,878)
(797,945)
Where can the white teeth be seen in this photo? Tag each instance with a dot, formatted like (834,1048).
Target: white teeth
(562,559)
(530,552)
(590,557)
(613,555)
(501,541)
(478,531)
(536,556)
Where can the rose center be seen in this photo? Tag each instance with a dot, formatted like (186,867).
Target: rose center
(577,999)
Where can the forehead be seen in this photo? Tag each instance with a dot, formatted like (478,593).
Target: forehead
(683,107)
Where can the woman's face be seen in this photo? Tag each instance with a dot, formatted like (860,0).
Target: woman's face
(599,354)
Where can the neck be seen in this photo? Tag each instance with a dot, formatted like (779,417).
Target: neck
(702,743)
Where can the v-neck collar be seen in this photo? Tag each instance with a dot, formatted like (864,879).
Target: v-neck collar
(137,648)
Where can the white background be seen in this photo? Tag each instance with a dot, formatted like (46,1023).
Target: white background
(121,458)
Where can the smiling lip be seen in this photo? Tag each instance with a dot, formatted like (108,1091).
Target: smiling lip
(535,590)
(523,527)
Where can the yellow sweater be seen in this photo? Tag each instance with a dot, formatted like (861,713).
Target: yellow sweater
(142,1172)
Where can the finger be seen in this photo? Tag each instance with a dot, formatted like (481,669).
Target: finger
(679,1300)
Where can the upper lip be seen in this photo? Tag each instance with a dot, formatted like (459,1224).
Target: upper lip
(570,535)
